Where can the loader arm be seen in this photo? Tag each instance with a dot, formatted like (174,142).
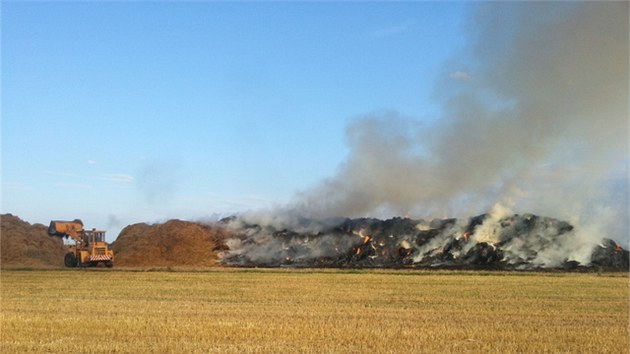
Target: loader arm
(72,229)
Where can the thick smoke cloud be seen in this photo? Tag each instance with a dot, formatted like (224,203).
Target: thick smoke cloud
(540,124)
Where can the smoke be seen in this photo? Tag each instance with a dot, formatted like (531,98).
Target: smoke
(534,120)
(158,181)
(540,124)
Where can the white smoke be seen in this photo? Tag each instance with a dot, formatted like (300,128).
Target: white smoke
(539,125)
(535,120)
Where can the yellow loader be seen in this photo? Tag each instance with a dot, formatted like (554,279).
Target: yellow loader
(89,247)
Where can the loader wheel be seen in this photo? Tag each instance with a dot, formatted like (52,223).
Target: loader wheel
(70,260)
(109,264)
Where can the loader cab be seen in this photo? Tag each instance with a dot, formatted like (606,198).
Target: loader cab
(93,237)
(98,236)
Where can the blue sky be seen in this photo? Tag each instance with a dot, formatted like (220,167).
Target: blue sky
(118,112)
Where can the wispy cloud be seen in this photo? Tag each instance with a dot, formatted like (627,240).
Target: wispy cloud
(392,30)
(117,177)
(460,75)
(75,185)
(91,162)
(16,186)
(61,174)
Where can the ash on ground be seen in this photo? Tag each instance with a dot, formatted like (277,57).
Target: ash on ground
(519,242)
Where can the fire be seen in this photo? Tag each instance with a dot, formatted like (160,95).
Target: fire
(466,235)
(618,249)
(364,240)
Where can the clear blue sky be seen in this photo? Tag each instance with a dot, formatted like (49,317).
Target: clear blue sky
(118,112)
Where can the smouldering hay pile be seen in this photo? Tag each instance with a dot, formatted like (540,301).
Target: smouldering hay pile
(487,241)
(483,242)
(274,311)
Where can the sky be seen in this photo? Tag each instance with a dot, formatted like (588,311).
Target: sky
(126,112)
(118,112)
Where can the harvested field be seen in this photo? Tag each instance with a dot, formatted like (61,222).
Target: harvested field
(307,311)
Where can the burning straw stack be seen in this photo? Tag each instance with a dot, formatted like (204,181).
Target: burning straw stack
(482,242)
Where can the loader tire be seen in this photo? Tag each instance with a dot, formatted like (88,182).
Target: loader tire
(109,264)
(70,260)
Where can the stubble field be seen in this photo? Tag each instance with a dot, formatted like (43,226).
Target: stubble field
(312,311)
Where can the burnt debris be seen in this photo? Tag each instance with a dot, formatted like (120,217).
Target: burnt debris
(524,241)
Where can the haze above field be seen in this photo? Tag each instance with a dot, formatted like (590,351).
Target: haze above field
(117,113)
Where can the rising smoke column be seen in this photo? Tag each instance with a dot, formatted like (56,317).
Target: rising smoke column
(535,117)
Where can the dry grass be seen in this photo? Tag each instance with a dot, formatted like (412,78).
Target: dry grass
(262,311)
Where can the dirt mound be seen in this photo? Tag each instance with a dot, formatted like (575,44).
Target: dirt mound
(26,245)
(174,243)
